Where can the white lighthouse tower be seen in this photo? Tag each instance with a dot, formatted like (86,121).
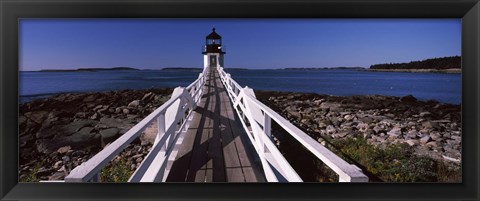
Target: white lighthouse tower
(212,51)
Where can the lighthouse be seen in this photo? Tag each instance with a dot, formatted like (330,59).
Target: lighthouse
(212,51)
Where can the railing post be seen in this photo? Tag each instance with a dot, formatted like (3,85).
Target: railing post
(267,125)
(161,129)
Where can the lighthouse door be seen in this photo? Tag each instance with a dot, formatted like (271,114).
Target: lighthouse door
(213,61)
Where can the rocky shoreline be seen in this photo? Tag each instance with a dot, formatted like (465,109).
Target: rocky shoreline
(61,132)
(431,128)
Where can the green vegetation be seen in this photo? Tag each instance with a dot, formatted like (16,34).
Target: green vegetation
(118,171)
(435,63)
(32,177)
(394,163)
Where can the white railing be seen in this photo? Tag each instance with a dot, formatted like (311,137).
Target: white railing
(172,118)
(256,120)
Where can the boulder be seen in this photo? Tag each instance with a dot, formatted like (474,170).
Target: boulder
(109,135)
(64,128)
(79,140)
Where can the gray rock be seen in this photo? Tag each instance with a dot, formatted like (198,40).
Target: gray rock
(58,164)
(330,130)
(57,176)
(425,114)
(66,158)
(94,116)
(395,132)
(412,142)
(43,171)
(134,103)
(148,96)
(430,124)
(425,139)
(412,134)
(109,135)
(362,127)
(79,140)
(64,150)
(64,128)
(118,110)
(125,111)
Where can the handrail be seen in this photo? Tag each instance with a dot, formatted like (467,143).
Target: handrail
(256,120)
(168,115)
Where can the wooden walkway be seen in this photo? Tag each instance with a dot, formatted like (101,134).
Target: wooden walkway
(215,148)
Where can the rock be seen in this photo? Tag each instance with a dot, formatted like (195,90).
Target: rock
(425,114)
(103,109)
(94,116)
(340,134)
(395,132)
(330,130)
(412,134)
(109,135)
(412,142)
(134,103)
(37,116)
(57,176)
(348,117)
(118,110)
(64,128)
(148,96)
(58,164)
(425,139)
(408,99)
(139,160)
(126,111)
(432,144)
(63,150)
(43,171)
(81,115)
(430,124)
(66,158)
(362,127)
(79,140)
(97,108)
(62,169)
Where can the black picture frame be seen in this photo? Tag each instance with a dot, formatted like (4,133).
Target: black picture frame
(11,11)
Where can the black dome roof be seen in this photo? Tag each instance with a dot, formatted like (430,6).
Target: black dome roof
(213,35)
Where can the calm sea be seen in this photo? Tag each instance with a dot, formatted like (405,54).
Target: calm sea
(425,86)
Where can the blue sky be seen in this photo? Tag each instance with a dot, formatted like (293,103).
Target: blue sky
(250,43)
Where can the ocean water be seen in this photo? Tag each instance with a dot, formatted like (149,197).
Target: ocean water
(424,86)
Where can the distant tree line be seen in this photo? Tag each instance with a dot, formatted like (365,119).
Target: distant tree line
(435,63)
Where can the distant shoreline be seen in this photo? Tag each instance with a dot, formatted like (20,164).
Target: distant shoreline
(87,69)
(450,70)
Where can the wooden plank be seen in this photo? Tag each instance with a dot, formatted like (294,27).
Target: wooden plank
(198,165)
(180,167)
(213,149)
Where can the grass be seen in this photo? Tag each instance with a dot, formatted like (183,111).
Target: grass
(116,172)
(394,163)
(32,177)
